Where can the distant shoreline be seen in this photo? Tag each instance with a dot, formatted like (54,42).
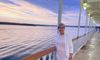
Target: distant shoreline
(27,24)
(22,24)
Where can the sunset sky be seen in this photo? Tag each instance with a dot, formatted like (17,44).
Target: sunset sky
(39,11)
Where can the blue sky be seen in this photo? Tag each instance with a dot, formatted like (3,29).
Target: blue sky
(48,4)
(70,9)
(53,4)
(38,11)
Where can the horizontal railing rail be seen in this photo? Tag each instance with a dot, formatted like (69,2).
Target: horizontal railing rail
(40,54)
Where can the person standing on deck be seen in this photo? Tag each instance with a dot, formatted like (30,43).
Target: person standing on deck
(64,44)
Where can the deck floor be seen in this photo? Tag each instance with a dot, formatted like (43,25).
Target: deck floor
(91,51)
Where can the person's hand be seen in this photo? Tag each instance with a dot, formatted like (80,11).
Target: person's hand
(70,56)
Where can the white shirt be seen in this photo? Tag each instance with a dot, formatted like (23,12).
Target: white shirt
(64,47)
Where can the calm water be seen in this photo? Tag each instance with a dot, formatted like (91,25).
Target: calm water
(21,40)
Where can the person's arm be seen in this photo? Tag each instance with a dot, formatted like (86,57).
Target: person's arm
(69,45)
(70,48)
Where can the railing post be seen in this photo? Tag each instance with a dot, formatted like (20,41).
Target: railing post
(86,22)
(79,20)
(60,12)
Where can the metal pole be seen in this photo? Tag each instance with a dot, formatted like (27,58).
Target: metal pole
(86,23)
(89,24)
(79,20)
(60,12)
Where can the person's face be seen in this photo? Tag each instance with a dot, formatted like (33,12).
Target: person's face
(61,30)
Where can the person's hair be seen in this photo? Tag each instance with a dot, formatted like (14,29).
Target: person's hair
(61,24)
